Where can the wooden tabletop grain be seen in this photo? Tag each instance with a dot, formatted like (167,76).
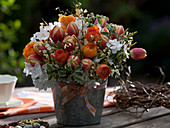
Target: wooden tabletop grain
(111,117)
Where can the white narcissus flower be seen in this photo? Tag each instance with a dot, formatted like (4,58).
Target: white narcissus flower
(80,23)
(33,39)
(27,69)
(36,71)
(51,25)
(114,45)
(40,77)
(43,34)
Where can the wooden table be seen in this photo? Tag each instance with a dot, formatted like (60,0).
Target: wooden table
(111,117)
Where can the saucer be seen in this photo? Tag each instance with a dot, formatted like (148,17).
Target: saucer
(12,103)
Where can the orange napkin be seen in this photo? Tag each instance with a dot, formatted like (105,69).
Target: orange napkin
(36,102)
(33,102)
(22,109)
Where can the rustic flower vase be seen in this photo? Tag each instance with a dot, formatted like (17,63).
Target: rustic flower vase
(75,112)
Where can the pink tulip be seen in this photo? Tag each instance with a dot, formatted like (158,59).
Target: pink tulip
(104,30)
(75,61)
(96,21)
(119,30)
(104,41)
(102,22)
(69,43)
(87,64)
(138,53)
(34,58)
(38,48)
(57,34)
(72,29)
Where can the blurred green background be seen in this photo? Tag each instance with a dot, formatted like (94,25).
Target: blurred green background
(20,19)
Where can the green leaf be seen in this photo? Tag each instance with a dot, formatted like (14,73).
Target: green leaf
(50,77)
(104,33)
(69,65)
(79,67)
(78,79)
(68,68)
(49,67)
(62,73)
(78,73)
(59,45)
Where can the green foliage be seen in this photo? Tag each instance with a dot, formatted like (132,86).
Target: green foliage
(78,73)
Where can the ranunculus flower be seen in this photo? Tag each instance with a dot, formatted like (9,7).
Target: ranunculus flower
(34,58)
(61,56)
(138,53)
(119,30)
(89,50)
(72,29)
(103,71)
(93,34)
(104,41)
(75,61)
(65,20)
(57,34)
(87,64)
(69,43)
(28,50)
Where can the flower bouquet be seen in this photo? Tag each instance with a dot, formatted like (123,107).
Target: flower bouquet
(74,56)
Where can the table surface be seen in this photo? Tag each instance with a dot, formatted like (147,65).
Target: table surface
(111,117)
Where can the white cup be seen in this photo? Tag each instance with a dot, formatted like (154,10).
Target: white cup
(7,85)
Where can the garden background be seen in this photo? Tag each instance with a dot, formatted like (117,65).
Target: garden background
(151,18)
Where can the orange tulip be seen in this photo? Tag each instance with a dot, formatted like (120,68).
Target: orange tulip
(65,20)
(93,34)
(28,50)
(103,71)
(89,50)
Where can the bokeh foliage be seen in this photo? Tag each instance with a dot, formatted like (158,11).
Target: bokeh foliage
(20,19)
(11,61)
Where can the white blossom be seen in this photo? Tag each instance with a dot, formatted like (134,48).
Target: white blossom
(51,25)
(28,69)
(36,71)
(80,23)
(125,51)
(114,45)
(33,39)
(43,34)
